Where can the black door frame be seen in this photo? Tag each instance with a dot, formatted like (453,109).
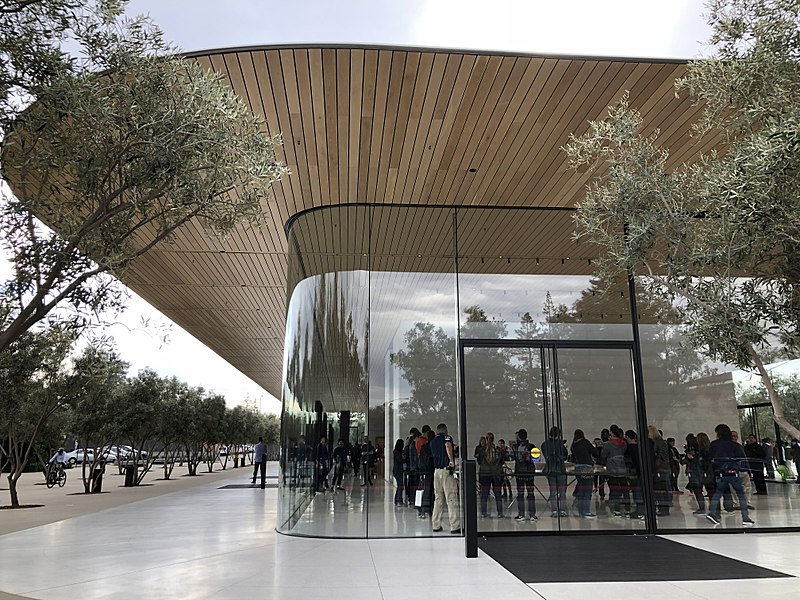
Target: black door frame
(555,345)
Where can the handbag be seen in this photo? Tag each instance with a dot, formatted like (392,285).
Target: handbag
(418,499)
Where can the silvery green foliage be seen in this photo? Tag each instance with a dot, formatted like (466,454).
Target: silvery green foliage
(114,163)
(722,233)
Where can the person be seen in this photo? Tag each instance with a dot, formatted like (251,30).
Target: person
(397,472)
(412,480)
(695,467)
(794,451)
(674,465)
(766,445)
(339,458)
(524,472)
(366,454)
(662,472)
(634,467)
(755,459)
(612,456)
(554,452)
(599,479)
(505,482)
(425,468)
(59,459)
(260,462)
(323,465)
(355,457)
(744,476)
(584,454)
(490,473)
(479,448)
(444,483)
(726,460)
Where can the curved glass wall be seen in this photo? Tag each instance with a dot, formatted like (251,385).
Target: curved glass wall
(396,311)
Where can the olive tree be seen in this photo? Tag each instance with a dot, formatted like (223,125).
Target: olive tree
(719,236)
(99,384)
(114,159)
(33,389)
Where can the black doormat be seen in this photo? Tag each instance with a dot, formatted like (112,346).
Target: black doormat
(241,486)
(551,559)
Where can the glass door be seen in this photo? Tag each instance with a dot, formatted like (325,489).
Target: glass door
(527,408)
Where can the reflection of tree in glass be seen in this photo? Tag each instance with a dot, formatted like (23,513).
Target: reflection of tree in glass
(428,365)
(788,388)
(325,363)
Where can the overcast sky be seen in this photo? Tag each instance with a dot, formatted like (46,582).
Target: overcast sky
(634,28)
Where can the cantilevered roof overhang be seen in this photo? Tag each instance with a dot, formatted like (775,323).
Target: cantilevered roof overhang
(393,125)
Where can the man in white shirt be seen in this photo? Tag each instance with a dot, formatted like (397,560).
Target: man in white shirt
(260,462)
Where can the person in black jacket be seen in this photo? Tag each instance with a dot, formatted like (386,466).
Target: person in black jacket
(755,455)
(397,472)
(584,454)
(339,464)
(727,461)
(634,474)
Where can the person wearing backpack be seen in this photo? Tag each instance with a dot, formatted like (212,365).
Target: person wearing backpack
(613,457)
(524,472)
(555,453)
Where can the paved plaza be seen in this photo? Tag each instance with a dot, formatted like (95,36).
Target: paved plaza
(206,540)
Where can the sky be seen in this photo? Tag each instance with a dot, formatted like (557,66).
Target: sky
(632,28)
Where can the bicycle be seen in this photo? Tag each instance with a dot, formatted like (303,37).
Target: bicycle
(56,475)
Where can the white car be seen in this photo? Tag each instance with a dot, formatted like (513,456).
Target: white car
(79,455)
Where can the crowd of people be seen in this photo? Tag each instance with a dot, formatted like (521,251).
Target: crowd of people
(721,471)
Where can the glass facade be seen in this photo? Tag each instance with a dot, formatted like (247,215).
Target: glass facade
(397,313)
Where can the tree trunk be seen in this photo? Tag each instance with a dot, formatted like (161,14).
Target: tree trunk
(777,405)
(12,489)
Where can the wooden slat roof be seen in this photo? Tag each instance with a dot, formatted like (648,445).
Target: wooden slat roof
(399,126)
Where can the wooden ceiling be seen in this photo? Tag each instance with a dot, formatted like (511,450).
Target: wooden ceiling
(414,127)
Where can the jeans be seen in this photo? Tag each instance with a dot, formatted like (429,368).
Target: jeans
(583,488)
(398,493)
(366,473)
(616,486)
(638,496)
(735,482)
(338,474)
(525,484)
(260,468)
(493,482)
(558,491)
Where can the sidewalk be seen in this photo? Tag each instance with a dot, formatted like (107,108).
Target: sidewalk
(212,541)
(70,501)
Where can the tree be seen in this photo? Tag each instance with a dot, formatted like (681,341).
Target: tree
(98,384)
(721,233)
(428,364)
(170,428)
(31,378)
(788,388)
(115,163)
(137,419)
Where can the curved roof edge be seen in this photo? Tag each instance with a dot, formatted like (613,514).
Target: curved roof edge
(390,47)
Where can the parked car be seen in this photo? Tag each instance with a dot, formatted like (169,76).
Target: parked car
(79,455)
(125,452)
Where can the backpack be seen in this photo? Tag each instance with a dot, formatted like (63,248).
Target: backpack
(524,461)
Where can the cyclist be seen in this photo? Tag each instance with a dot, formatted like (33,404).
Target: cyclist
(59,459)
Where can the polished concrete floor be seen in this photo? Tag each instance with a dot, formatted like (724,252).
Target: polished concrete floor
(208,542)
